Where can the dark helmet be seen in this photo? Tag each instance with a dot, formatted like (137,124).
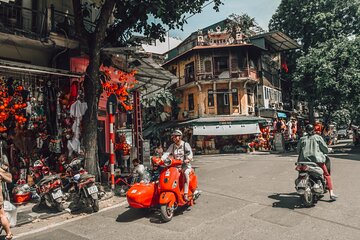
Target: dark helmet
(309,129)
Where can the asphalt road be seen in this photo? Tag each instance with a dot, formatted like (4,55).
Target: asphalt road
(244,197)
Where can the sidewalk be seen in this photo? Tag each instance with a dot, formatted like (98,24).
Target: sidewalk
(31,212)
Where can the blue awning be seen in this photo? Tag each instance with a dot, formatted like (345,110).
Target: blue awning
(281,115)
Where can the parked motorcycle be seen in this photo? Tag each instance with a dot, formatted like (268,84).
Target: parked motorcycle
(87,193)
(49,189)
(166,193)
(87,190)
(310,184)
(48,185)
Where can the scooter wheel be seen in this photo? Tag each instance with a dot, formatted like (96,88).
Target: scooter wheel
(308,197)
(166,212)
(60,207)
(95,205)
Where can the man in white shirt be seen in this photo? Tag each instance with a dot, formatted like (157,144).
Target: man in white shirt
(182,150)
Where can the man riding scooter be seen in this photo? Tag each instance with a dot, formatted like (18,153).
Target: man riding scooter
(312,148)
(182,150)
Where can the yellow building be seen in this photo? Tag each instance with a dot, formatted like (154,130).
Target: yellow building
(226,76)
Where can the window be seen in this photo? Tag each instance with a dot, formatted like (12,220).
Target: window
(173,70)
(207,64)
(267,93)
(234,64)
(191,102)
(221,64)
(235,97)
(210,98)
(249,97)
(226,99)
(189,72)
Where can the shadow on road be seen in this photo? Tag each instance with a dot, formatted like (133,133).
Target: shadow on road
(41,208)
(286,200)
(132,214)
(153,215)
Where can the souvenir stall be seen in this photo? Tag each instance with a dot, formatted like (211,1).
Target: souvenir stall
(40,119)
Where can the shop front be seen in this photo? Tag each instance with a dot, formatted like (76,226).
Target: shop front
(40,119)
(215,135)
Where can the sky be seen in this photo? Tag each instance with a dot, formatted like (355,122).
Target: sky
(261,10)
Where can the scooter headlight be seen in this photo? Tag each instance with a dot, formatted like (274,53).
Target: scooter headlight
(167,162)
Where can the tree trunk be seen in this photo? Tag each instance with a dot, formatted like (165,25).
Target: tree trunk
(90,121)
(311,111)
(92,85)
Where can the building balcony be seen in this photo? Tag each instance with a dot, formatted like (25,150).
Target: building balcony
(39,24)
(244,73)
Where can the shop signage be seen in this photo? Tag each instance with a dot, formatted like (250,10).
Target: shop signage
(227,129)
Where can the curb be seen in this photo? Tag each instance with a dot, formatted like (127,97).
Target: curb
(33,216)
(259,153)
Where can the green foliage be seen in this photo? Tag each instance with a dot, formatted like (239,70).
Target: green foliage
(326,72)
(244,21)
(341,117)
(312,22)
(150,17)
(334,70)
(154,107)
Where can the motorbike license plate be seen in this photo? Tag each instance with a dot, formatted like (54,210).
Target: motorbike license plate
(57,194)
(92,189)
(302,183)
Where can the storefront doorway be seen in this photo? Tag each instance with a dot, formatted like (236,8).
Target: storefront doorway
(222,102)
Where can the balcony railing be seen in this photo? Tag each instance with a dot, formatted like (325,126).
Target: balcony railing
(23,21)
(241,73)
(273,78)
(37,24)
(62,22)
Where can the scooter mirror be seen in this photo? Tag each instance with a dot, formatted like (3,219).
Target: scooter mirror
(165,156)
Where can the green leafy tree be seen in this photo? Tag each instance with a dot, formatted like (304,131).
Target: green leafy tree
(312,23)
(245,22)
(131,16)
(154,112)
(334,68)
(154,107)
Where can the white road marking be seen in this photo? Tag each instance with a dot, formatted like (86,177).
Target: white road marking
(67,221)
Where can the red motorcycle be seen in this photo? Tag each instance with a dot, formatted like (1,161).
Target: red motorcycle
(48,186)
(166,193)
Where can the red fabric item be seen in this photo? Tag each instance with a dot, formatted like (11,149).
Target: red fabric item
(285,67)
(326,175)
(74,91)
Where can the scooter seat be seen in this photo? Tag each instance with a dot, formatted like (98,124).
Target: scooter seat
(47,179)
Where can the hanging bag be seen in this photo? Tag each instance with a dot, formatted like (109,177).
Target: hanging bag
(9,208)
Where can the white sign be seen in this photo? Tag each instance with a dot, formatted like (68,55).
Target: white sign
(227,129)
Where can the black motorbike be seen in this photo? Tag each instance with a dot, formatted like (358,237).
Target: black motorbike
(86,191)
(310,184)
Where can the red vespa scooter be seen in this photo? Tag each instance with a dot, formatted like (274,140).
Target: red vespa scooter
(167,192)
(171,188)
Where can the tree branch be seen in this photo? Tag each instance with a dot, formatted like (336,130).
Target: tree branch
(79,21)
(101,26)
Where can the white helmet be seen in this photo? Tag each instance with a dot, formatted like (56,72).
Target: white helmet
(177,133)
